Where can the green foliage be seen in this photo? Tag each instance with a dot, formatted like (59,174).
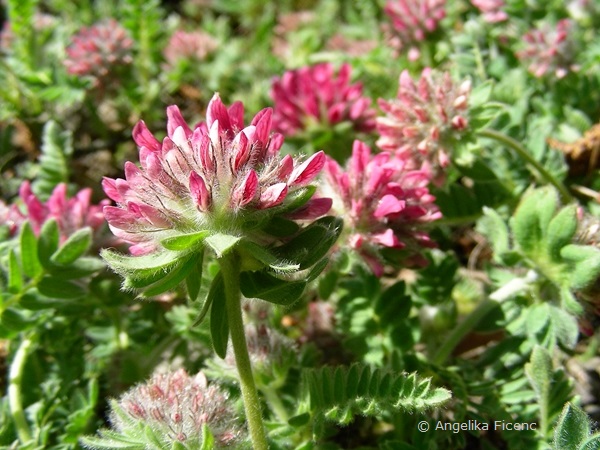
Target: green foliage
(462,203)
(573,431)
(338,394)
(219,324)
(21,16)
(55,160)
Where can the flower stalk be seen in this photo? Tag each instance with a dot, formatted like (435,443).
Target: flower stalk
(15,400)
(470,322)
(231,271)
(524,154)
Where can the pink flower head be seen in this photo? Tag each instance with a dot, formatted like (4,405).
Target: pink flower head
(97,52)
(220,176)
(491,10)
(183,45)
(548,50)
(176,406)
(414,19)
(315,95)
(423,120)
(71,214)
(383,204)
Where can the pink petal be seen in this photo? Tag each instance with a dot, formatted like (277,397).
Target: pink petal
(236,115)
(199,192)
(263,122)
(389,205)
(286,166)
(273,195)
(175,120)
(361,154)
(143,137)
(217,111)
(387,239)
(309,169)
(246,191)
(242,148)
(316,207)
(110,189)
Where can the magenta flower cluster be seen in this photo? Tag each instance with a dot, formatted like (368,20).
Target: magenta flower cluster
(491,10)
(422,123)
(413,20)
(98,50)
(71,214)
(384,203)
(207,178)
(193,45)
(548,50)
(177,405)
(315,95)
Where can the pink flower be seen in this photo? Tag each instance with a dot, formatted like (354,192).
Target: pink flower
(421,124)
(315,96)
(414,19)
(384,205)
(183,45)
(548,50)
(220,176)
(98,51)
(176,406)
(71,214)
(491,9)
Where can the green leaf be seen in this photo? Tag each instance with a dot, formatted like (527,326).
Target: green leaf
(15,278)
(316,270)
(193,282)
(138,267)
(572,428)
(480,94)
(14,320)
(339,393)
(222,243)
(586,267)
(81,268)
(184,241)
(219,324)
(525,223)
(300,420)
(55,160)
(57,288)
(560,231)
(171,280)
(208,440)
(29,252)
(539,373)
(296,199)
(48,242)
(565,326)
(74,247)
(569,302)
(312,243)
(495,229)
(393,305)
(592,443)
(250,250)
(280,227)
(267,287)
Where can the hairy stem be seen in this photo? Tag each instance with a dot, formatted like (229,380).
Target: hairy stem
(524,154)
(466,326)
(15,378)
(231,277)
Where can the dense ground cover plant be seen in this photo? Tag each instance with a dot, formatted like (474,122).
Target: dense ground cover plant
(299,225)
